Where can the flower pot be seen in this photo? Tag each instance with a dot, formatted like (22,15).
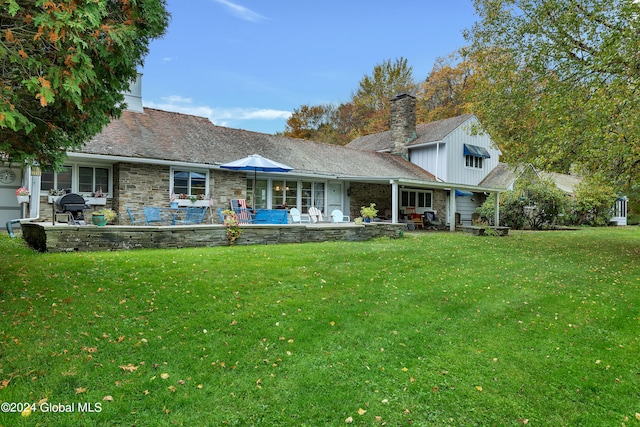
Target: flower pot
(23,199)
(174,205)
(96,201)
(99,220)
(367,220)
(187,202)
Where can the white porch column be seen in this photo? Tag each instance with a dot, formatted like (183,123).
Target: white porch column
(394,202)
(452,209)
(496,216)
(34,187)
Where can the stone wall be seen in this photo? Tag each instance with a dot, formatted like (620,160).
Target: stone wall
(364,194)
(67,238)
(439,204)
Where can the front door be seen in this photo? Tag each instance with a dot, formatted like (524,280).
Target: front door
(335,197)
(10,180)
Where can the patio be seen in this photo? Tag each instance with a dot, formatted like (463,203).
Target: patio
(46,237)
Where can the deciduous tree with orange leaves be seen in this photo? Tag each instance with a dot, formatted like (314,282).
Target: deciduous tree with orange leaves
(63,67)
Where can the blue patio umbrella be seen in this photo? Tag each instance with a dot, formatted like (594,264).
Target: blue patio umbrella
(256,163)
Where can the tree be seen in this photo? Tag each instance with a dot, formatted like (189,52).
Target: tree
(366,113)
(444,93)
(307,121)
(63,67)
(593,203)
(557,83)
(372,99)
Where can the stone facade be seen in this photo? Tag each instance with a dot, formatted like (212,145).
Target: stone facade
(403,124)
(363,194)
(138,185)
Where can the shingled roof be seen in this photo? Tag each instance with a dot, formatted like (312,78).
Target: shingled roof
(426,132)
(504,175)
(167,136)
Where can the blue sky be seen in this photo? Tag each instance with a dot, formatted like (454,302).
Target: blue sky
(249,63)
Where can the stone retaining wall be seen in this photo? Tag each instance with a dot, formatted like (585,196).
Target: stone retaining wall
(69,238)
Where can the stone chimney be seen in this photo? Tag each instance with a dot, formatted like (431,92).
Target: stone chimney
(403,124)
(133,97)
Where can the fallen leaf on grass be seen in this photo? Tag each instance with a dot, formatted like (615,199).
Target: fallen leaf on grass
(164,376)
(361,411)
(172,389)
(349,420)
(108,399)
(4,383)
(81,390)
(129,368)
(479,388)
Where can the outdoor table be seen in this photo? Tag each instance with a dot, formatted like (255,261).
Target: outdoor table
(271,216)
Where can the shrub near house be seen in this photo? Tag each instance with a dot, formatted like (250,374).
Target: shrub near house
(535,204)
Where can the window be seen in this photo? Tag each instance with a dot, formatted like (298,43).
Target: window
(56,180)
(191,183)
(473,161)
(312,195)
(284,192)
(474,155)
(85,180)
(91,179)
(415,199)
(261,193)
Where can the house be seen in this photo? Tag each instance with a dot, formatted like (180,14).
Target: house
(147,155)
(454,150)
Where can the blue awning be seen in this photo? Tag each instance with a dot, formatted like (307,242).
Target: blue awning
(474,150)
(460,193)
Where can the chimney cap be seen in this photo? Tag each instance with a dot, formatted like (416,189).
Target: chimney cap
(402,95)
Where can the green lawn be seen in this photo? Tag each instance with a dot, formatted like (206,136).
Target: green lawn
(434,329)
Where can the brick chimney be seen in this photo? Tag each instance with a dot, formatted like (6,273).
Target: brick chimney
(403,124)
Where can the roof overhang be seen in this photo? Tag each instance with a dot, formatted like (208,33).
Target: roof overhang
(447,186)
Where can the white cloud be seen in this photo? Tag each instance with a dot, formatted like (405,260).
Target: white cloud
(176,99)
(233,117)
(241,11)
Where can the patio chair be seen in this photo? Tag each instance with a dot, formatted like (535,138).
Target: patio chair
(297,217)
(153,216)
(194,215)
(337,216)
(315,214)
(432,220)
(132,215)
(239,206)
(415,218)
(220,215)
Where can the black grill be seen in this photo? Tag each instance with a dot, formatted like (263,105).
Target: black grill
(74,204)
